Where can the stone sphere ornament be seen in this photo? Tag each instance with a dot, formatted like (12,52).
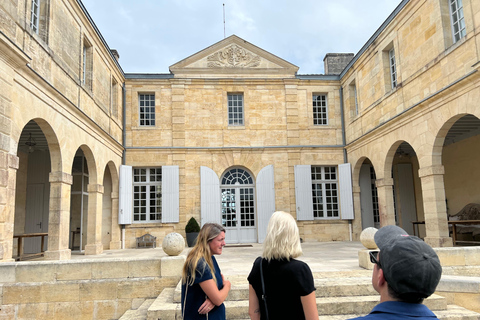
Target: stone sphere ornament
(367,238)
(173,244)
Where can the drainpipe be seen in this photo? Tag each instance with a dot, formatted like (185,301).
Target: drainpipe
(344,143)
(124,138)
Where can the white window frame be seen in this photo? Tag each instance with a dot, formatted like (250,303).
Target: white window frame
(236,109)
(320,109)
(393,67)
(457,19)
(138,182)
(324,182)
(146,118)
(35,16)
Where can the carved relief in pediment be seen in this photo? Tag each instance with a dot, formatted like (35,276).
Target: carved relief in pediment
(233,57)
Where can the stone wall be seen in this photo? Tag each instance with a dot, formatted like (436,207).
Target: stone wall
(87,289)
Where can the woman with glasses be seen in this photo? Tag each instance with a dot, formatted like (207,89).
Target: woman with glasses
(281,287)
(204,288)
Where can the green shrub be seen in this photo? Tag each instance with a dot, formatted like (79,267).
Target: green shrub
(192,226)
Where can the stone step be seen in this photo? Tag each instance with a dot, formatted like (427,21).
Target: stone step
(138,314)
(336,287)
(165,306)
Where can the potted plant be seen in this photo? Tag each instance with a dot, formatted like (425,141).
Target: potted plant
(191,230)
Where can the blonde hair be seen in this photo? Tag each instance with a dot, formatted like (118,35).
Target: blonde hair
(201,250)
(283,238)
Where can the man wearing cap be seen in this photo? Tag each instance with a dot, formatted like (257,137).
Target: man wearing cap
(406,271)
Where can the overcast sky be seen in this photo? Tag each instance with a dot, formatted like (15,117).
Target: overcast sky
(151,35)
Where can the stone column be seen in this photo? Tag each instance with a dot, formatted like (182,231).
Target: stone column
(357,207)
(8,176)
(115,241)
(94,219)
(385,201)
(435,208)
(59,216)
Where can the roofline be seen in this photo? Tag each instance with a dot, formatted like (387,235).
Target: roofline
(327,77)
(149,76)
(100,35)
(375,36)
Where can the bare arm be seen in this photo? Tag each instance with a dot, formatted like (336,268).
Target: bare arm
(216,296)
(253,304)
(309,303)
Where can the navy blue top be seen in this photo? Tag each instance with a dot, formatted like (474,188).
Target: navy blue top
(394,310)
(196,297)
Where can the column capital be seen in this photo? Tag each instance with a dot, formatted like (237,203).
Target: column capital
(114,195)
(430,171)
(385,182)
(95,188)
(62,177)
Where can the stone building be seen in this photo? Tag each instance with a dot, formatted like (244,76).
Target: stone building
(96,157)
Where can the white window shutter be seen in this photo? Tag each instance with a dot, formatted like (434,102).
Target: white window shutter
(303,192)
(209,196)
(265,200)
(125,203)
(346,196)
(170,194)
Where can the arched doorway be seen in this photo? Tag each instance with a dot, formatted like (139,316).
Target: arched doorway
(32,187)
(238,205)
(369,196)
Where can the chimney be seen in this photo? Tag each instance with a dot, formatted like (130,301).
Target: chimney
(115,54)
(336,62)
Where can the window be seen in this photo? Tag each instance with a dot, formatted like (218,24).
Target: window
(35,16)
(393,68)
(324,192)
(457,19)
(87,65)
(376,211)
(235,109)
(147,194)
(114,97)
(320,116)
(146,109)
(352,99)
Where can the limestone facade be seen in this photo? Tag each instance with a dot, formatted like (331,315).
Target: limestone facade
(233,133)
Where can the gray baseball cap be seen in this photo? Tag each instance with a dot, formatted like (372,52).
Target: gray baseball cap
(410,266)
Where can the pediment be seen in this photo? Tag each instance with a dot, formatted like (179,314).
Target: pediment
(233,57)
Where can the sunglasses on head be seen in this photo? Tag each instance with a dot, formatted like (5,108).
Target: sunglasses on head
(374,257)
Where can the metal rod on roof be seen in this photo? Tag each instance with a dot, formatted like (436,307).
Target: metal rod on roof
(224,21)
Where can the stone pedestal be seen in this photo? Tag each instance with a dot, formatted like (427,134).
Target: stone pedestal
(172,266)
(64,254)
(364,259)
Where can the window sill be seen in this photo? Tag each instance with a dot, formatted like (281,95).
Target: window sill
(236,128)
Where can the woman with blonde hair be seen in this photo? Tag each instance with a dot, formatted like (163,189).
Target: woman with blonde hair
(281,287)
(203,286)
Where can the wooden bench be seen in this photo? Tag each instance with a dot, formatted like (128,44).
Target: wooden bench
(146,241)
(20,237)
